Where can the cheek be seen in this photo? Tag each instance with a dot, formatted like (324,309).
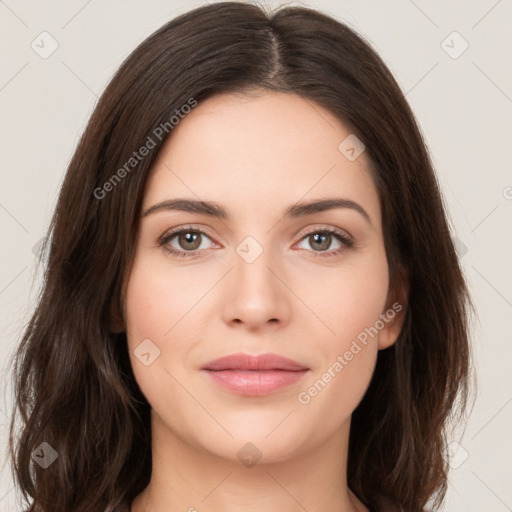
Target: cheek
(156,309)
(166,307)
(349,300)
(157,300)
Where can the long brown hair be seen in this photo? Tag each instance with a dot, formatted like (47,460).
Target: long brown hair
(74,386)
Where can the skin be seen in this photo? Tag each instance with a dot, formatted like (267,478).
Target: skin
(255,155)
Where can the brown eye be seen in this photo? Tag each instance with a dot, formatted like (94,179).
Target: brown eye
(320,242)
(189,240)
(185,242)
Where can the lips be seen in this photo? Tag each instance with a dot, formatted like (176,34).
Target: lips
(248,375)
(256,363)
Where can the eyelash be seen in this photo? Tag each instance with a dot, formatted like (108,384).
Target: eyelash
(347,242)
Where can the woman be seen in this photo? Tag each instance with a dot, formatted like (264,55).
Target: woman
(252,300)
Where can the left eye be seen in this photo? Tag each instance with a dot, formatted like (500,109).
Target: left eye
(321,239)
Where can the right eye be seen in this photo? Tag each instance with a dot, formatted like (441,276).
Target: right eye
(188,242)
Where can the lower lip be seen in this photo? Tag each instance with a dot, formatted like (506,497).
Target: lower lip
(255,383)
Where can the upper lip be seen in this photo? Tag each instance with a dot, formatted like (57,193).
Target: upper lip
(242,361)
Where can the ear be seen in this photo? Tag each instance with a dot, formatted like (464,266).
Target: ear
(116,318)
(394,314)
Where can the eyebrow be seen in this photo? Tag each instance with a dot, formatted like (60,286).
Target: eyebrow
(292,212)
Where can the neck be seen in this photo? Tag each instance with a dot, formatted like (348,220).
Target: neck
(189,478)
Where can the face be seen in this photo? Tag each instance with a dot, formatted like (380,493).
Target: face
(309,286)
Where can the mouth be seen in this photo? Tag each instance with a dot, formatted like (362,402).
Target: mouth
(254,375)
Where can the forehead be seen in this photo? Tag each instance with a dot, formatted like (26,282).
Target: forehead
(258,153)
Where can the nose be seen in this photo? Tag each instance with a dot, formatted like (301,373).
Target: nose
(256,295)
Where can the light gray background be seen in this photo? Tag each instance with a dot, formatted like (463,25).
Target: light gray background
(463,105)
